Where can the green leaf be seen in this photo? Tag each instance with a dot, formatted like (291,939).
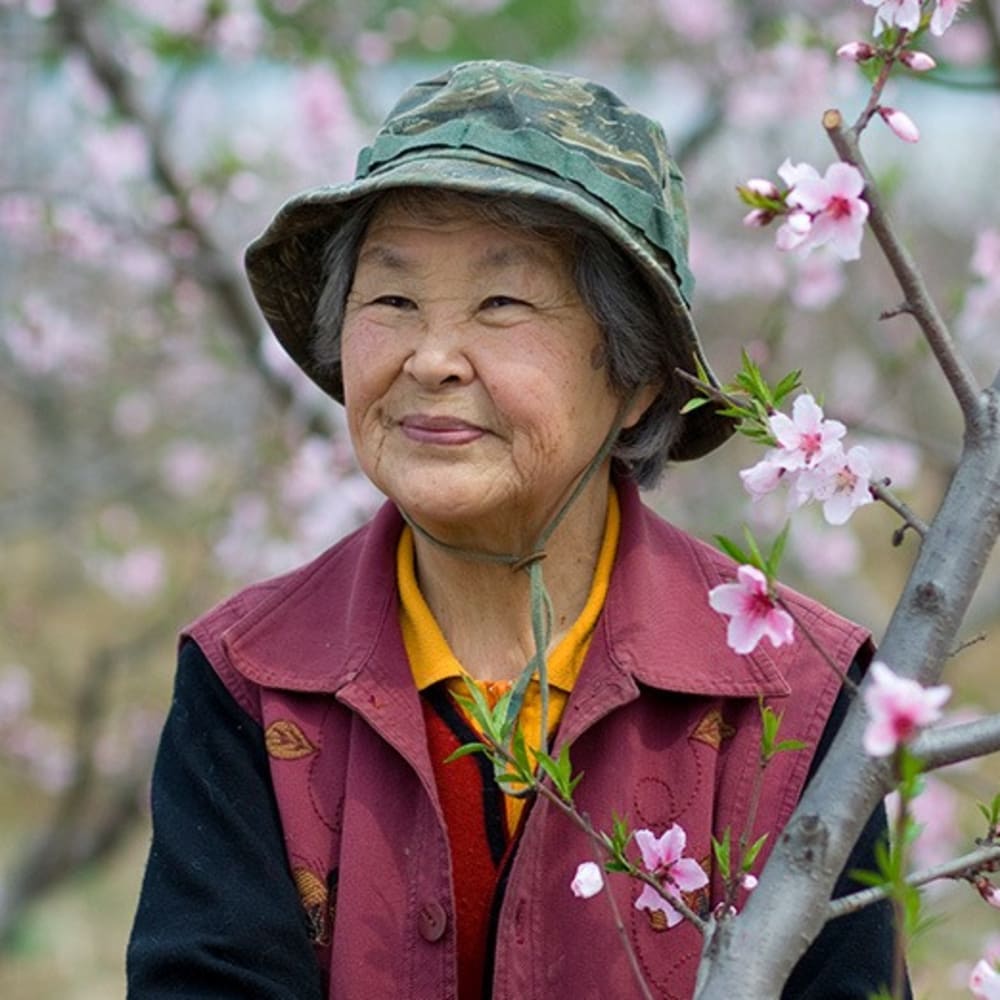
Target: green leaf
(758,559)
(721,850)
(790,745)
(787,385)
(506,778)
(553,769)
(864,877)
(777,551)
(731,549)
(750,856)
(695,403)
(770,723)
(519,750)
(465,750)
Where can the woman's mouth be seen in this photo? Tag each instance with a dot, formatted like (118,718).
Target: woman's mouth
(429,429)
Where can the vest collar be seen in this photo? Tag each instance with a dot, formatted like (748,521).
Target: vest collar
(336,620)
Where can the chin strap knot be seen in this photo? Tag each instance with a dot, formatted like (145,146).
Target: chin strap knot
(526,562)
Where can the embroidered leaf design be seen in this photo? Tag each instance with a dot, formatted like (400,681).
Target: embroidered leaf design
(315,896)
(286,741)
(712,729)
(312,889)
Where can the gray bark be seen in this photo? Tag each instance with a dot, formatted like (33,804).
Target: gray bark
(751,956)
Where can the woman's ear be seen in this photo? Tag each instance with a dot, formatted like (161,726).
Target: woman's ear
(641,401)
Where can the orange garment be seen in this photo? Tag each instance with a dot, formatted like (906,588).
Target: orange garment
(431,658)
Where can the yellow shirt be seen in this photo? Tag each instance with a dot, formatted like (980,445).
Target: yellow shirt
(431,658)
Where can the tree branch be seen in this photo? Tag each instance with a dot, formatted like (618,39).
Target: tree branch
(918,299)
(880,490)
(752,955)
(75,20)
(962,741)
(91,816)
(966,866)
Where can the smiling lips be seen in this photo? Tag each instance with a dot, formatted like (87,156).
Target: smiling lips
(426,429)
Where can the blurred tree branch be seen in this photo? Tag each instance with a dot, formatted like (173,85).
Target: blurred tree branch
(77,22)
(93,814)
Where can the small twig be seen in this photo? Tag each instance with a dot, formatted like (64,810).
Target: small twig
(879,85)
(880,490)
(964,867)
(581,821)
(903,309)
(712,392)
(844,679)
(917,298)
(966,643)
(585,825)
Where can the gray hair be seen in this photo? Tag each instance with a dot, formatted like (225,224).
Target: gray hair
(638,350)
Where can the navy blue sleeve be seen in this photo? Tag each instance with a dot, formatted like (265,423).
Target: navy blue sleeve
(219,916)
(851,959)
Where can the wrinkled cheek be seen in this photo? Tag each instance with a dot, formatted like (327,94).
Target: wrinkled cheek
(534,456)
(368,437)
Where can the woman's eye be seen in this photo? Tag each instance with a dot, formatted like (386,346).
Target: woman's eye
(498,301)
(394,302)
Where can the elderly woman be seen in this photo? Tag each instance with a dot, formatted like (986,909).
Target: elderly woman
(500,301)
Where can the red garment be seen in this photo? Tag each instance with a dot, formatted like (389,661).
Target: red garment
(478,839)
(663,722)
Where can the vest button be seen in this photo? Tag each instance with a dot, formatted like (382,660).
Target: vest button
(432,921)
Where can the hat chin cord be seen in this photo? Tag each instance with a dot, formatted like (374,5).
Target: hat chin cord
(541,603)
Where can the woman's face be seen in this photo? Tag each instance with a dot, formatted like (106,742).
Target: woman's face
(474,378)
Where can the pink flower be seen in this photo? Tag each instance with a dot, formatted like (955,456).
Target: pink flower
(794,232)
(897,709)
(753,612)
(748,881)
(836,207)
(902,13)
(663,858)
(806,438)
(856,51)
(985,981)
(935,811)
(944,14)
(985,261)
(841,484)
(819,280)
(764,477)
(901,124)
(588,880)
(919,62)
(794,173)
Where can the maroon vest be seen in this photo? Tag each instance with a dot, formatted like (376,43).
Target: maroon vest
(663,721)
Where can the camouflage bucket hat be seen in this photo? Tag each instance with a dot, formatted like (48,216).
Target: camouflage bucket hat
(503,129)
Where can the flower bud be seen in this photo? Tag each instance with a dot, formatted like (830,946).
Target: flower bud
(588,880)
(901,124)
(764,188)
(988,891)
(757,218)
(919,62)
(857,51)
(748,881)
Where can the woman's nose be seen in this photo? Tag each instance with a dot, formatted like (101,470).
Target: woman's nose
(438,357)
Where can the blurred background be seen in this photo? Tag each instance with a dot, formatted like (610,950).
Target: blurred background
(159,451)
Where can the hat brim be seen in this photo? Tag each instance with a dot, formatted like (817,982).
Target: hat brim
(285,263)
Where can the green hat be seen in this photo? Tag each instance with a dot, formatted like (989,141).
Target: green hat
(503,129)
